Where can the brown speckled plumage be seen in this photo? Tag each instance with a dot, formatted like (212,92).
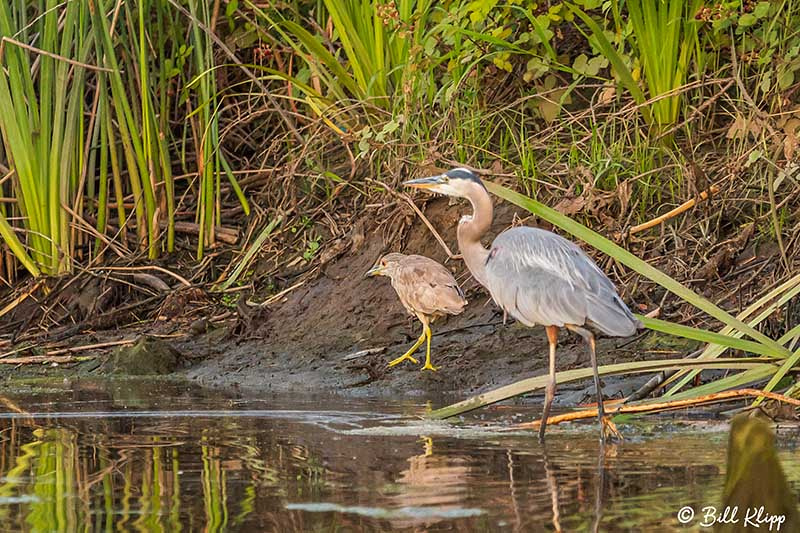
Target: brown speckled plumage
(423,285)
(426,289)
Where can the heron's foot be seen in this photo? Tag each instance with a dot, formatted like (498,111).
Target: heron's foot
(404,357)
(610,429)
(429,366)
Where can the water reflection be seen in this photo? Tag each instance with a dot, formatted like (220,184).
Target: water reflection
(439,481)
(269,465)
(552,488)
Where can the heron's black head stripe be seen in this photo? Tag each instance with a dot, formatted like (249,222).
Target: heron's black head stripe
(464,174)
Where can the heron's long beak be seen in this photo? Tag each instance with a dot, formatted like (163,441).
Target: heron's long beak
(377,270)
(426,183)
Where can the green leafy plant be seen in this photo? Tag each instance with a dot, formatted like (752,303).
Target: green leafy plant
(765,36)
(663,36)
(312,246)
(381,43)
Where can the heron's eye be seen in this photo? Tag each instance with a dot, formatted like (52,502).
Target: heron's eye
(383,263)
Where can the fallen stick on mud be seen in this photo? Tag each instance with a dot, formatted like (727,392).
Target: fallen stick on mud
(673,404)
(362,353)
(53,355)
(276,297)
(675,212)
(123,342)
(430,227)
(222,233)
(659,379)
(178,277)
(44,359)
(422,217)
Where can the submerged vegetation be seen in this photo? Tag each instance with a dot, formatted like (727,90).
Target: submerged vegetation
(171,130)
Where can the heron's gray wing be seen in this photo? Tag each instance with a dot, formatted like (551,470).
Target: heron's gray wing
(427,287)
(549,280)
(536,297)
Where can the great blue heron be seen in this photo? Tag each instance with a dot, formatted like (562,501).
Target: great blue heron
(426,289)
(537,277)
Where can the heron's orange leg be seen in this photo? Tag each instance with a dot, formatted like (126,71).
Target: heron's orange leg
(427,333)
(550,390)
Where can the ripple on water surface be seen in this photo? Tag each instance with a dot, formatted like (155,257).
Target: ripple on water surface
(161,457)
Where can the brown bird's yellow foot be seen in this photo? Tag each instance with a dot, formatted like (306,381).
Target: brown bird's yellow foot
(427,334)
(407,356)
(610,429)
(404,357)
(429,366)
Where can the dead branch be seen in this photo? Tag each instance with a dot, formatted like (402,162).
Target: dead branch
(661,406)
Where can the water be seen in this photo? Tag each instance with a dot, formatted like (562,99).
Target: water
(139,456)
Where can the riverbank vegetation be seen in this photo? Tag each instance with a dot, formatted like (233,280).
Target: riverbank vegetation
(208,139)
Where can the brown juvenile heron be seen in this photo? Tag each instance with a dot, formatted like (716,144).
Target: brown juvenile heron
(537,277)
(426,289)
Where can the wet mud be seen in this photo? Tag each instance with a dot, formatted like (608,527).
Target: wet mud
(335,332)
(338,332)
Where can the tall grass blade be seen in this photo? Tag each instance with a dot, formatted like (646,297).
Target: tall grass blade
(17,248)
(767,305)
(251,251)
(716,339)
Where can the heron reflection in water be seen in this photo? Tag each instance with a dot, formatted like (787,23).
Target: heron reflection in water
(537,277)
(426,289)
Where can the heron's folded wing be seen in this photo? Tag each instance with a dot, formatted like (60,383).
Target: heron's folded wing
(551,281)
(537,297)
(523,248)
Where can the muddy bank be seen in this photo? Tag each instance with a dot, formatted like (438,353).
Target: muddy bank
(337,332)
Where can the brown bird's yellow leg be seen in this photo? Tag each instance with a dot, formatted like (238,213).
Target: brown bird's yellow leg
(407,356)
(427,333)
(550,391)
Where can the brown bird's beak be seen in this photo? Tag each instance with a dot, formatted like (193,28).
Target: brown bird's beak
(426,183)
(377,270)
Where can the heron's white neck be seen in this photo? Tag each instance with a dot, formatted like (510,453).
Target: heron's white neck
(471,229)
